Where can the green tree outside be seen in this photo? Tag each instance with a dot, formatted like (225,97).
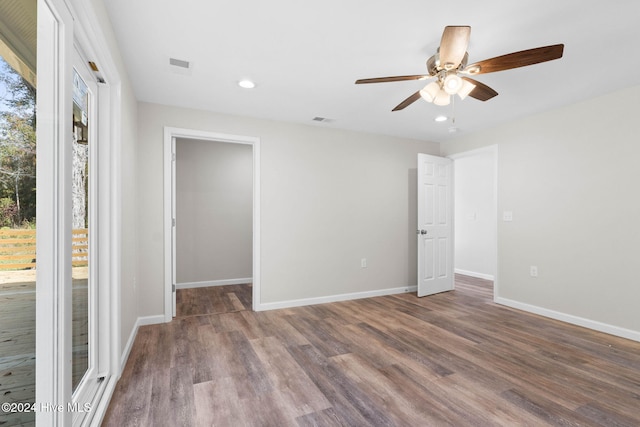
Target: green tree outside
(17,149)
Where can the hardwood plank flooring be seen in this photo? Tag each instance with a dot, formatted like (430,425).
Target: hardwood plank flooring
(454,358)
(213,300)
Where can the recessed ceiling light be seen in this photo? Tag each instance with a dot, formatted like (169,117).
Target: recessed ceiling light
(453,129)
(247,84)
(441,119)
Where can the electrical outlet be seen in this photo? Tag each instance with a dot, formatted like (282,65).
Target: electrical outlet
(533,271)
(363,263)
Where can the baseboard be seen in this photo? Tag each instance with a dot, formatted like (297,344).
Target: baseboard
(205,284)
(474,274)
(141,321)
(334,298)
(574,320)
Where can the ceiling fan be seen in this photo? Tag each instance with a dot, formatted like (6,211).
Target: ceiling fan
(449,67)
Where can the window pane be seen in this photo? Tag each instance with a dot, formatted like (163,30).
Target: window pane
(80,237)
(17,209)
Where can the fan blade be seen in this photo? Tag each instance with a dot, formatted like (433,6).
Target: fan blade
(453,46)
(410,100)
(516,59)
(393,79)
(481,92)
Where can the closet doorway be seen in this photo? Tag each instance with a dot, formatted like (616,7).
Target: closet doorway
(211,222)
(214,196)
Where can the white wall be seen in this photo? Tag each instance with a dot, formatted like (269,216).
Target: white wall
(329,198)
(571,178)
(475,213)
(214,211)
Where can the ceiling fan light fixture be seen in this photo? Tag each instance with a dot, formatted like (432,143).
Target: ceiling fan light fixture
(450,61)
(452,83)
(465,89)
(442,98)
(430,91)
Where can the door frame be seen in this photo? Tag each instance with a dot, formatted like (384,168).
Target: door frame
(171,133)
(88,386)
(63,25)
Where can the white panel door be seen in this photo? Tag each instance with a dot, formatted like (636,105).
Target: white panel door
(435,225)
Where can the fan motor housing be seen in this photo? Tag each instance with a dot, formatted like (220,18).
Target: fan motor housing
(434,66)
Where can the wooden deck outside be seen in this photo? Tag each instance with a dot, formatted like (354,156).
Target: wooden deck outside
(17,338)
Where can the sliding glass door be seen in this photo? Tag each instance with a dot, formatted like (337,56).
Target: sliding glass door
(84,283)
(77,279)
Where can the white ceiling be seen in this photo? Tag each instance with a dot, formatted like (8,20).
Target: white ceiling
(305,56)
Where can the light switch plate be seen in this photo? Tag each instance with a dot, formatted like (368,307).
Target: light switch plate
(507,216)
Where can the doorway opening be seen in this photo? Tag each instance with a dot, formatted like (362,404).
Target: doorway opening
(214,233)
(196,245)
(476,217)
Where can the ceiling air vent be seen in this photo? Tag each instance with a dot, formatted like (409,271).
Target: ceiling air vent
(179,66)
(179,63)
(322,119)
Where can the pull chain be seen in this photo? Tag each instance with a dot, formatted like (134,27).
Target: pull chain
(453,109)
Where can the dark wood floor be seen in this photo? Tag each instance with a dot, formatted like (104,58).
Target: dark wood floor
(450,359)
(213,300)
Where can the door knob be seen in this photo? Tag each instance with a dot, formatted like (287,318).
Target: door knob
(423,232)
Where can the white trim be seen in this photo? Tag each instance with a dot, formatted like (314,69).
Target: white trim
(474,274)
(100,409)
(55,48)
(474,152)
(574,320)
(90,39)
(59,22)
(89,33)
(208,283)
(168,224)
(336,298)
(150,320)
(169,134)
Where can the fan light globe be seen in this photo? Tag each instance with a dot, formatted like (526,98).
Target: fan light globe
(452,84)
(430,91)
(466,89)
(442,98)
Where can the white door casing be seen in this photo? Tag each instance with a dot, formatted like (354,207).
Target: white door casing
(435,225)
(173,227)
(55,51)
(60,23)
(170,134)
